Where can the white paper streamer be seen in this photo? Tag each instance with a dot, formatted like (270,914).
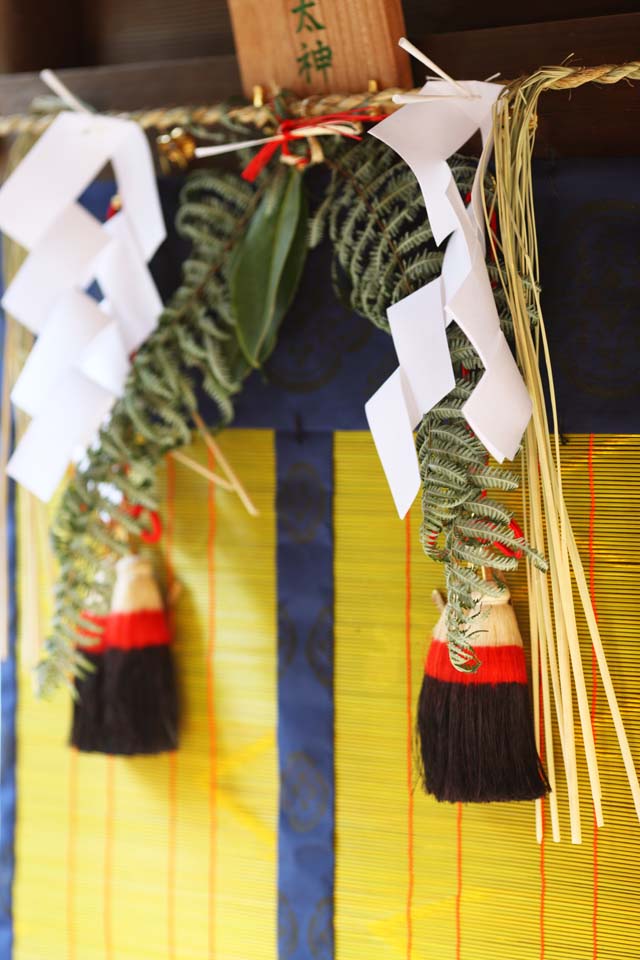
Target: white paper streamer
(391,420)
(127,284)
(75,410)
(425,134)
(419,335)
(80,361)
(73,324)
(61,259)
(105,360)
(62,164)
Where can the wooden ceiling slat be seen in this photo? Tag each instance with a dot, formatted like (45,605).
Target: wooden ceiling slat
(133,86)
(447,16)
(523,48)
(591,121)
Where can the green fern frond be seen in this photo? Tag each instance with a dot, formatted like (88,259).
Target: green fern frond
(375,217)
(154,415)
(384,250)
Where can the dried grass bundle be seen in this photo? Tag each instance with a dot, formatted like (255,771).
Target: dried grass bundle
(556,658)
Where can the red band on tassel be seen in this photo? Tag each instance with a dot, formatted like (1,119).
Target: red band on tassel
(508,552)
(95,638)
(504,664)
(126,631)
(133,631)
(98,619)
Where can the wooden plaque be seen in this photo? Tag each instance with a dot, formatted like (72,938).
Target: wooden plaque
(319,46)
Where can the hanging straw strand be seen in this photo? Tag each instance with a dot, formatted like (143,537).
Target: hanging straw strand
(515,123)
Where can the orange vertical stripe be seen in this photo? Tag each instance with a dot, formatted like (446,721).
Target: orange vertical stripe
(107,917)
(169,526)
(543,886)
(543,875)
(211,711)
(594,679)
(173,762)
(459,888)
(171,856)
(72,808)
(407,633)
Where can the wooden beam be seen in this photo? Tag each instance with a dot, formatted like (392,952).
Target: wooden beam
(445,16)
(319,46)
(521,49)
(119,31)
(593,121)
(201,80)
(590,121)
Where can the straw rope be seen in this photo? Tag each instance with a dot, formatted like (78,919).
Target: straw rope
(164,118)
(566,77)
(569,77)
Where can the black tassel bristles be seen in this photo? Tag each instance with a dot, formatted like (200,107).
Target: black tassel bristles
(141,705)
(127,704)
(87,726)
(475,730)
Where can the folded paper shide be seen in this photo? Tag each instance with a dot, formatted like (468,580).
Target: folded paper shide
(406,216)
(79,363)
(425,134)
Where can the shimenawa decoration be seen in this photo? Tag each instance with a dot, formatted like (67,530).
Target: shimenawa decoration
(224,320)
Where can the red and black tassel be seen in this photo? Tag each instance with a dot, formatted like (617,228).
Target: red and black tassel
(475,730)
(127,704)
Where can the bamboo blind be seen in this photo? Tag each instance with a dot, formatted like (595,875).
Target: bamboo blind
(176,858)
(419,879)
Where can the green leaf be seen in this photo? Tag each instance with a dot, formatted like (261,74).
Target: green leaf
(266,269)
(291,274)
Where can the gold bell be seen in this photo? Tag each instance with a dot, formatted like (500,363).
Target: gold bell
(175,149)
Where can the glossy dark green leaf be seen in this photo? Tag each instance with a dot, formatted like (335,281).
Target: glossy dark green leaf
(266,268)
(291,275)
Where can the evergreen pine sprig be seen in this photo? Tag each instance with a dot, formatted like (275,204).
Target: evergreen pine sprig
(208,335)
(376,220)
(462,523)
(384,250)
(193,343)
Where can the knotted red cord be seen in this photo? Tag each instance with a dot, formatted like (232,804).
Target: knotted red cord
(286,133)
(503,548)
(155,532)
(493,221)
(508,551)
